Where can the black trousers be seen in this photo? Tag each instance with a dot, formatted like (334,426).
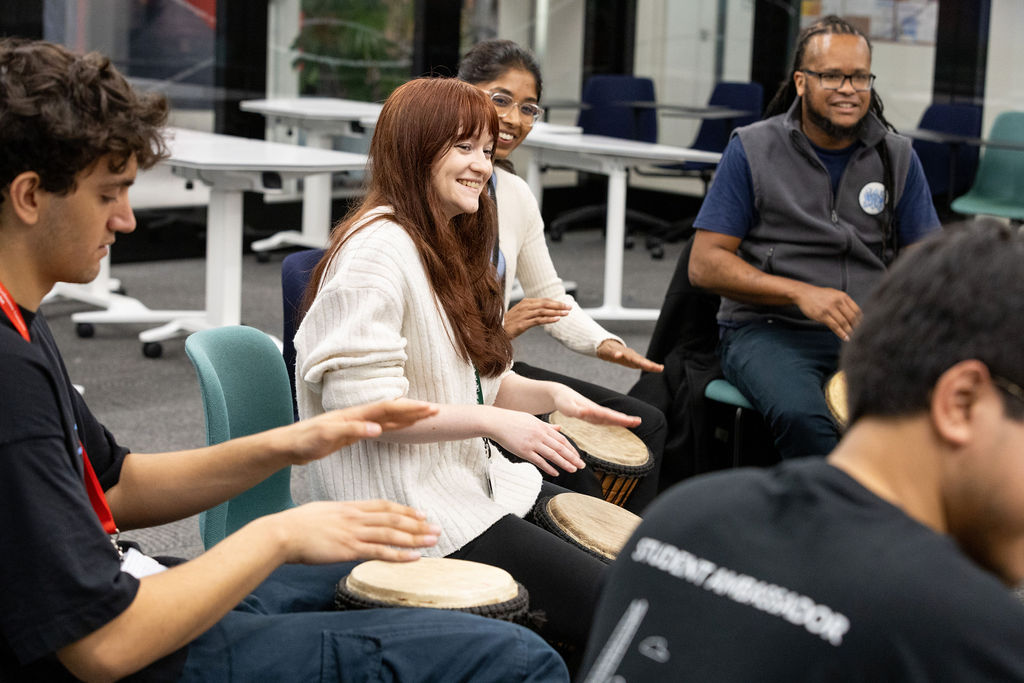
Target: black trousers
(652,431)
(563,580)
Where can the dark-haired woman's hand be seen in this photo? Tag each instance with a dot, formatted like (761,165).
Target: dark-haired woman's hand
(615,351)
(572,403)
(532,312)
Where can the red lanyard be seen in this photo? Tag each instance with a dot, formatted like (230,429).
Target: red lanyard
(92,483)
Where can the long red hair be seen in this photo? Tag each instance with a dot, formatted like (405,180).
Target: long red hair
(419,123)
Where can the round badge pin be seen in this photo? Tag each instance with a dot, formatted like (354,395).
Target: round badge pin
(872,198)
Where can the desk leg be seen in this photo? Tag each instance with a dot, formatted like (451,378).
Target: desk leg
(223,272)
(615,236)
(316,201)
(316,209)
(535,177)
(224,258)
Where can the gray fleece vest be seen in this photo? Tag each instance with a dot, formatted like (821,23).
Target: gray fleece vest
(804,232)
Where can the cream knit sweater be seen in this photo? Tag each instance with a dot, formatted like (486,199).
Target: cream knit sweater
(375,331)
(521,239)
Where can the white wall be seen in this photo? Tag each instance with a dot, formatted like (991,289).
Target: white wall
(905,74)
(1004,84)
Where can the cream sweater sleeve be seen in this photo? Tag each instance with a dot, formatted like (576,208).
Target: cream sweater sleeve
(521,237)
(350,348)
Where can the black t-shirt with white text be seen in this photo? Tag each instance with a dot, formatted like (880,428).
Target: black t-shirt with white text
(797,573)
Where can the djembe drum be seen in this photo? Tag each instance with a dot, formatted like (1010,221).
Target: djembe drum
(835,398)
(616,455)
(436,582)
(590,523)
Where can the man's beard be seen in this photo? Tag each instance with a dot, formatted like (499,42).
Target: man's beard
(833,130)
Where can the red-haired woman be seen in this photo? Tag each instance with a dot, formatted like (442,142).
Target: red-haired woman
(406,303)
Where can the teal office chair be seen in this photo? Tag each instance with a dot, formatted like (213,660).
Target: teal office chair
(998,188)
(244,385)
(722,391)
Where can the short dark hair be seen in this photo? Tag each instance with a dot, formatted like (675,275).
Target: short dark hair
(956,296)
(61,112)
(489,59)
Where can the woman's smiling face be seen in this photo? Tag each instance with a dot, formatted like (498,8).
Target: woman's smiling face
(461,173)
(520,85)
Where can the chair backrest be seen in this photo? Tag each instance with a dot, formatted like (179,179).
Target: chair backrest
(961,119)
(606,115)
(713,134)
(295,271)
(244,386)
(1001,171)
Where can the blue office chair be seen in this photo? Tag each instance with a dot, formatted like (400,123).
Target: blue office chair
(713,134)
(938,159)
(295,271)
(243,383)
(607,112)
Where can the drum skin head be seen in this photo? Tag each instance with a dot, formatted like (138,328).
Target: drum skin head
(607,442)
(835,397)
(593,523)
(432,582)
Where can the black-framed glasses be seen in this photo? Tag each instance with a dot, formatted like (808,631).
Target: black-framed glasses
(833,80)
(504,104)
(1012,388)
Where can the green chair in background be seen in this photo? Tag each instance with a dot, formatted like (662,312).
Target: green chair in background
(245,389)
(998,188)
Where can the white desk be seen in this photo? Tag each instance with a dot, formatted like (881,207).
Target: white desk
(612,157)
(320,119)
(229,165)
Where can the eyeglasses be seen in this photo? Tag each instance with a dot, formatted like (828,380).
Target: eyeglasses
(504,104)
(833,80)
(1009,387)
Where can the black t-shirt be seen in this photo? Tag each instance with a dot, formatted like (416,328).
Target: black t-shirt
(60,576)
(798,573)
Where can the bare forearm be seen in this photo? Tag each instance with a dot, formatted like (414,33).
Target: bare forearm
(156,488)
(527,395)
(728,275)
(452,422)
(174,607)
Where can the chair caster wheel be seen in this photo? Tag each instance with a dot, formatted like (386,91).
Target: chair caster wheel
(628,243)
(85,330)
(657,253)
(263,256)
(152,349)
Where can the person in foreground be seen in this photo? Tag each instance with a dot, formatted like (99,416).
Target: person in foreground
(893,559)
(405,302)
(510,76)
(808,209)
(76,603)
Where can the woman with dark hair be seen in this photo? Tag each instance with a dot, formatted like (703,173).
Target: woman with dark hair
(405,302)
(510,76)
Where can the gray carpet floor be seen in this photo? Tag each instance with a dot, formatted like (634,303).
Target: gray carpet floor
(153,405)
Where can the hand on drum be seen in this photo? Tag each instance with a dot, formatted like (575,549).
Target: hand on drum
(536,441)
(330,531)
(574,404)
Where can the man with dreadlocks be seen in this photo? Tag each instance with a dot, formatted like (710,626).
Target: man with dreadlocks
(808,209)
